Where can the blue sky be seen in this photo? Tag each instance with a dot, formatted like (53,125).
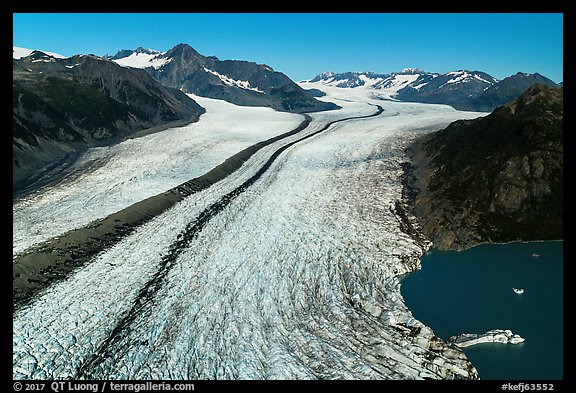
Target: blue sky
(303,45)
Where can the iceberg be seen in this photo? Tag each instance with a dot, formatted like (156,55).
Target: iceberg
(491,336)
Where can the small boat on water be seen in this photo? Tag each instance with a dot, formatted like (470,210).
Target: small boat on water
(535,255)
(518,290)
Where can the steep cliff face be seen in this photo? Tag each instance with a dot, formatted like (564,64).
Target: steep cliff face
(494,179)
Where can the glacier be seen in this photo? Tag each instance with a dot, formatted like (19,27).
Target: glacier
(107,179)
(295,278)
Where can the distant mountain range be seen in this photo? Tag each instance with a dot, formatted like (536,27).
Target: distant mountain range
(236,81)
(65,105)
(497,178)
(507,90)
(463,89)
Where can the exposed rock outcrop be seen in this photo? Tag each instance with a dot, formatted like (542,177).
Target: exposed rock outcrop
(62,106)
(240,82)
(494,179)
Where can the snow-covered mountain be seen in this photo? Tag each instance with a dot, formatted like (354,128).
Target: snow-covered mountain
(349,79)
(453,88)
(64,105)
(462,89)
(235,81)
(18,53)
(139,58)
(386,83)
(413,84)
(508,89)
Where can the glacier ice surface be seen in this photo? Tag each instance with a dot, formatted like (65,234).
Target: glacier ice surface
(295,278)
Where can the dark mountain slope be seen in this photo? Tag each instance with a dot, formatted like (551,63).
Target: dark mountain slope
(454,88)
(240,82)
(61,106)
(462,89)
(508,89)
(494,179)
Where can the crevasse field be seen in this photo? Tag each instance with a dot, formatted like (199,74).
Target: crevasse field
(294,278)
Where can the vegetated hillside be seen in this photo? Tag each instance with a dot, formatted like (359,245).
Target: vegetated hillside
(62,106)
(494,179)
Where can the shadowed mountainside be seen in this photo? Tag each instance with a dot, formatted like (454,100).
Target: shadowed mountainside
(63,106)
(494,179)
(236,81)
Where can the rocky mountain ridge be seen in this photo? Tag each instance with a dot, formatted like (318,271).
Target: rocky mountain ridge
(64,105)
(462,89)
(494,179)
(236,81)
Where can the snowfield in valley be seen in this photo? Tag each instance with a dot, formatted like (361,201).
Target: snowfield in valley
(294,278)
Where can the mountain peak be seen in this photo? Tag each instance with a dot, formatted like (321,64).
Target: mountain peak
(528,75)
(323,76)
(517,191)
(539,88)
(537,99)
(182,49)
(508,89)
(38,54)
(146,51)
(410,71)
(18,53)
(122,53)
(237,81)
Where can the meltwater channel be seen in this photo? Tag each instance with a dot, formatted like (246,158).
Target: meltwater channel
(471,292)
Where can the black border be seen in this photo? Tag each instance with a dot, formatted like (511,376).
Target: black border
(395,6)
(408,6)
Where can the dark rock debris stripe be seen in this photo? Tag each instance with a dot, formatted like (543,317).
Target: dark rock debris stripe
(148,291)
(53,260)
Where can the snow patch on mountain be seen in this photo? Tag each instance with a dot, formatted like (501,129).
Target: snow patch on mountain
(390,86)
(144,60)
(464,76)
(419,86)
(387,85)
(460,76)
(45,60)
(18,53)
(232,82)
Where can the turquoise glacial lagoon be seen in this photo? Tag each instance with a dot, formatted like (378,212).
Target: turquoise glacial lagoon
(472,291)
